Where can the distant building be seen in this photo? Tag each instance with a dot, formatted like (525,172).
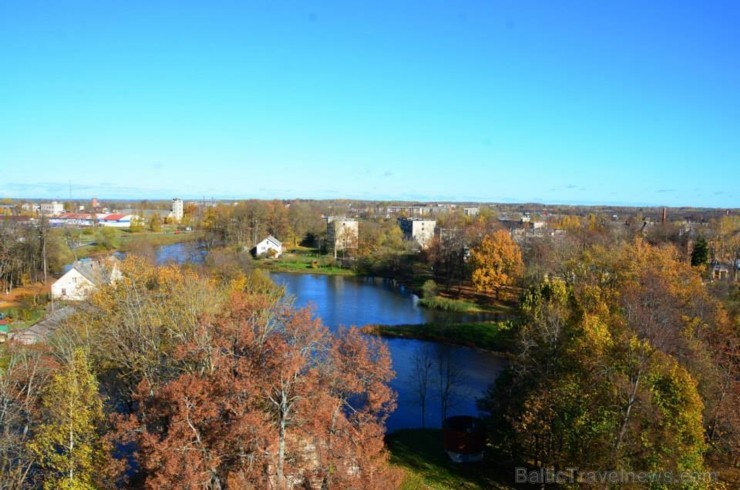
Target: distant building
(341,234)
(52,208)
(75,219)
(265,246)
(471,211)
(178,209)
(84,277)
(419,230)
(118,220)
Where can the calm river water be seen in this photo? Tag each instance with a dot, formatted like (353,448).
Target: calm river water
(348,301)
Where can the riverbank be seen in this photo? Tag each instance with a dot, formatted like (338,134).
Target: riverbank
(462,305)
(420,454)
(494,336)
(122,240)
(304,261)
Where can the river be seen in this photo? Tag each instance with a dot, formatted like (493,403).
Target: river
(351,301)
(354,301)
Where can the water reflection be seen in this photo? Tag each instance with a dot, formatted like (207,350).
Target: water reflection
(345,301)
(181,253)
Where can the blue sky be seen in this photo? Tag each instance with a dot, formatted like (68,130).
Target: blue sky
(578,102)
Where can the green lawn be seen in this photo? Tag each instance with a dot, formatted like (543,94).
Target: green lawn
(460,305)
(494,336)
(304,260)
(158,238)
(23,317)
(420,453)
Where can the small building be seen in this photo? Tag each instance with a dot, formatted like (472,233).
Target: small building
(419,230)
(341,234)
(117,220)
(84,277)
(269,247)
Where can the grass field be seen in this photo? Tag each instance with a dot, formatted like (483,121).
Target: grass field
(493,336)
(461,305)
(23,317)
(304,260)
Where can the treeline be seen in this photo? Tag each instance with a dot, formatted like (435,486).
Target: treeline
(195,378)
(248,222)
(30,253)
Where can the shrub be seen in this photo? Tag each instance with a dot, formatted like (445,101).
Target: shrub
(429,289)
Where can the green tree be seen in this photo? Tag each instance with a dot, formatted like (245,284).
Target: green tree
(107,238)
(155,223)
(700,253)
(68,445)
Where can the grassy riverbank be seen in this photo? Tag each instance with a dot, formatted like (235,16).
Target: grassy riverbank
(420,453)
(460,305)
(493,336)
(124,240)
(305,261)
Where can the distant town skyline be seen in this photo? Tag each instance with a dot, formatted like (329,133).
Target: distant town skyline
(577,103)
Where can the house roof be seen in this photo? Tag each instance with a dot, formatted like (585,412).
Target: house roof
(115,217)
(274,240)
(97,272)
(42,330)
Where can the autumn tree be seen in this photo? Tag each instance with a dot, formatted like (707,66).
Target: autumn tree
(276,401)
(68,443)
(155,223)
(132,327)
(497,263)
(586,390)
(22,380)
(623,361)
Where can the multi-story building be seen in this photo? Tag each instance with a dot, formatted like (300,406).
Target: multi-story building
(52,208)
(177,209)
(419,230)
(341,234)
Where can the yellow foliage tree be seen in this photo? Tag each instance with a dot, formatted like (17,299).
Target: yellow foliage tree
(497,262)
(67,444)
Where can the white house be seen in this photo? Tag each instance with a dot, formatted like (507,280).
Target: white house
(269,243)
(84,277)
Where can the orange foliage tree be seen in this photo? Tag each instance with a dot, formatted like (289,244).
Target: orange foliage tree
(275,401)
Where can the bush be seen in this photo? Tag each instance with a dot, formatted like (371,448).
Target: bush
(429,289)
(446,304)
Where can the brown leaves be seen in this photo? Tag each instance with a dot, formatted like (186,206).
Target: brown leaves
(284,404)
